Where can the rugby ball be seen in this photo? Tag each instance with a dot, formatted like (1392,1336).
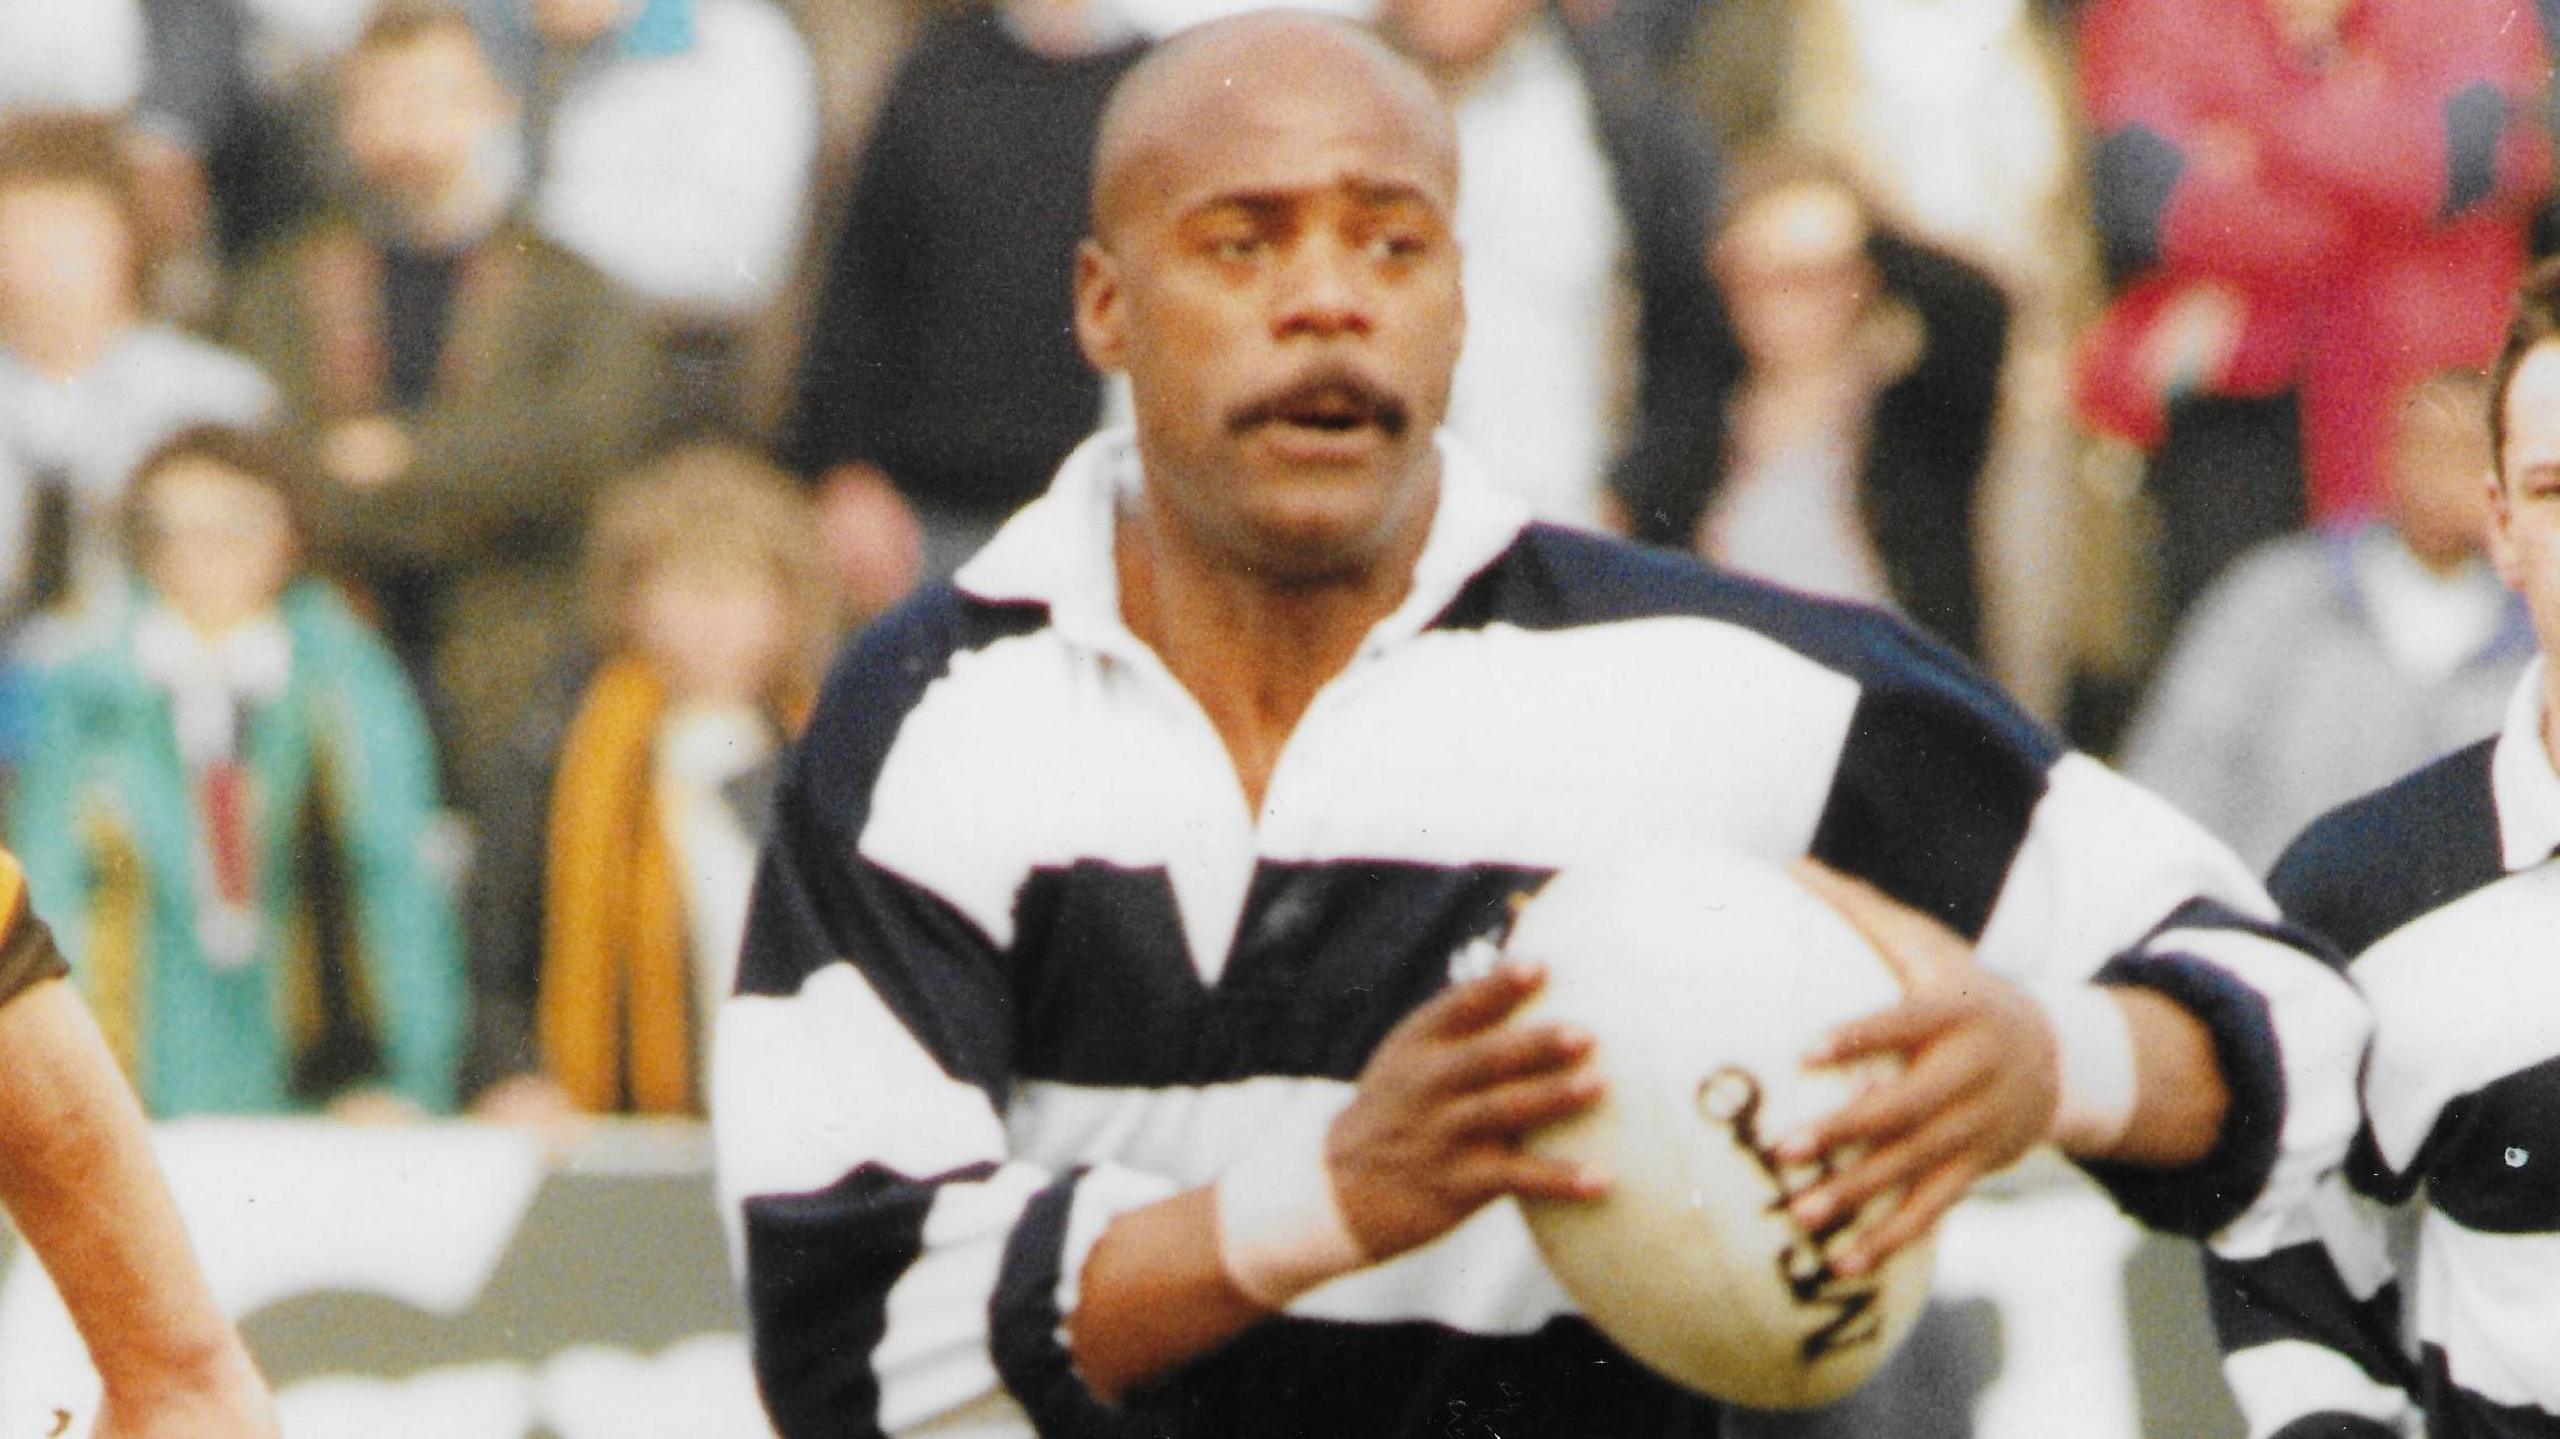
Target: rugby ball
(1704,977)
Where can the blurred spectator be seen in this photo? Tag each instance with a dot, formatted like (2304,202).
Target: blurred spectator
(672,144)
(225,815)
(1588,320)
(611,890)
(86,55)
(2324,665)
(2316,201)
(942,364)
(1959,121)
(1854,437)
(88,384)
(463,382)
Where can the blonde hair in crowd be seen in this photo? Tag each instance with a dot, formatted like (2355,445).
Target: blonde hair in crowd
(721,503)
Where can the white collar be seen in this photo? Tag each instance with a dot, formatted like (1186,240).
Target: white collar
(2522,782)
(1057,551)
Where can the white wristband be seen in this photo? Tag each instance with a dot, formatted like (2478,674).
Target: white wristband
(1280,1233)
(2099,1085)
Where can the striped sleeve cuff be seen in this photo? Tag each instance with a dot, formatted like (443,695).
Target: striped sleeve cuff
(2203,1197)
(1036,1291)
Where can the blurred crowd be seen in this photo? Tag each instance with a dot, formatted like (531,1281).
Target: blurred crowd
(442,441)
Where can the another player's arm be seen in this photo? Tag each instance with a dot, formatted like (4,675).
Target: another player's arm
(77,1176)
(1429,1138)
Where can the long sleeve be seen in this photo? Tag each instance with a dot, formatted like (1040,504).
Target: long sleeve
(903,1267)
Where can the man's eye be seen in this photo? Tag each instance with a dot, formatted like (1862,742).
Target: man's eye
(1400,246)
(1236,247)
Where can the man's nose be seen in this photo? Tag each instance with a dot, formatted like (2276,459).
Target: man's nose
(1324,291)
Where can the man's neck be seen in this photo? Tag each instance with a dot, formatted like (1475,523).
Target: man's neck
(1254,654)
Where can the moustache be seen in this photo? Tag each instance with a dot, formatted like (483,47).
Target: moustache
(1331,396)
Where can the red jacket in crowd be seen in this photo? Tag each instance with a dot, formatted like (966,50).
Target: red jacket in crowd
(2333,221)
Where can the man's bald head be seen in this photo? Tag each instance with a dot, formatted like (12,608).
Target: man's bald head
(1211,79)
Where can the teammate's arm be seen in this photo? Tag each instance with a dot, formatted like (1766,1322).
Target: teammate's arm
(76,1174)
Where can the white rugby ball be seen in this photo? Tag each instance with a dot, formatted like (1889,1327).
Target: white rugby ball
(1704,976)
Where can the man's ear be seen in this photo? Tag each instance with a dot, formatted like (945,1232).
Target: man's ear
(2501,540)
(1101,312)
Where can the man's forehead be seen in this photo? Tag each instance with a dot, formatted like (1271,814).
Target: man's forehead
(1276,109)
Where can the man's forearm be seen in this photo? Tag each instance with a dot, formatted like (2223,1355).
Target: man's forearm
(78,1177)
(2180,1097)
(1154,1296)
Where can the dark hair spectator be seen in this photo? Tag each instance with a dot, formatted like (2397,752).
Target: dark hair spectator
(1854,436)
(228,815)
(462,383)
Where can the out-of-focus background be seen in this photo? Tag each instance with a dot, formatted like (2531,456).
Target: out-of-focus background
(441,444)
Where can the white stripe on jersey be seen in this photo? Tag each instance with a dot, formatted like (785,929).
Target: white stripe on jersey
(934,1355)
(797,1083)
(2490,1302)
(1514,742)
(2065,910)
(2271,1380)
(2461,998)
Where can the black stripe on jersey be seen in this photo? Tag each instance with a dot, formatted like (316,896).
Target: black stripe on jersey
(2492,1160)
(2336,1426)
(1327,957)
(1024,1320)
(868,695)
(2295,1293)
(819,1269)
(2454,1412)
(1941,772)
(2209,1194)
(2374,864)
(1302,1379)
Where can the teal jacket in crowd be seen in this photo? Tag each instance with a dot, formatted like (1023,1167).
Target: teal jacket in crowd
(355,979)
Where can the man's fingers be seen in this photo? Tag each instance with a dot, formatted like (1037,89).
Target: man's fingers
(1499,1056)
(1510,1110)
(1889,1165)
(1913,1215)
(1903,1029)
(1479,1003)
(1919,949)
(1532,1176)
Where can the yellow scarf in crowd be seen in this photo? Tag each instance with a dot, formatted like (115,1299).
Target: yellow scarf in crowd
(615,1002)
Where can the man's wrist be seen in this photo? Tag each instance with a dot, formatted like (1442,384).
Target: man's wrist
(1280,1226)
(2093,1041)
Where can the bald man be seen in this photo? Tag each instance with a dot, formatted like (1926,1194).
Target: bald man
(1097,1067)
(77,1178)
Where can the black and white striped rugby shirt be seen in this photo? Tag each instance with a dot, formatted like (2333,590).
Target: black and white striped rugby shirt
(1020,960)
(2443,892)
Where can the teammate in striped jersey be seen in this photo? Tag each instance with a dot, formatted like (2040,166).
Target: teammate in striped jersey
(76,1175)
(2443,892)
(1096,1067)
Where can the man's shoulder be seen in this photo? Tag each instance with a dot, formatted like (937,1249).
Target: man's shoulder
(2377,862)
(1555,578)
